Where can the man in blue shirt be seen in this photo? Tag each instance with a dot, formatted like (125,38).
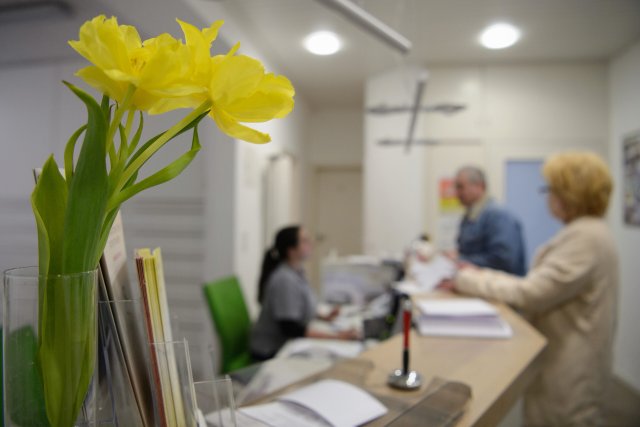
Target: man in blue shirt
(489,236)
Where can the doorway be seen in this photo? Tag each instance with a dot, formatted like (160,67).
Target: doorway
(523,197)
(338,214)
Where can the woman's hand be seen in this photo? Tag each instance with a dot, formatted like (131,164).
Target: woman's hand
(465,265)
(348,335)
(331,316)
(447,285)
(452,255)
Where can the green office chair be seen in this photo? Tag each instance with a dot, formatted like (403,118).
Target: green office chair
(232,322)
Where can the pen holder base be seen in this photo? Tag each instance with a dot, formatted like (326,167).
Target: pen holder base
(409,381)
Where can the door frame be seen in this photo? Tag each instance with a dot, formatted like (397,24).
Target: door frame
(314,267)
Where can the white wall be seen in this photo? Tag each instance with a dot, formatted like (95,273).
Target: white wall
(513,112)
(251,161)
(251,164)
(393,185)
(32,102)
(335,137)
(624,83)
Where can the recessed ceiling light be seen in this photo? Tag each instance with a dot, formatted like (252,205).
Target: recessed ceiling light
(322,43)
(499,36)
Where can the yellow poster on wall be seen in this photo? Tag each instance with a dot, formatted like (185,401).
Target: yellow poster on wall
(448,200)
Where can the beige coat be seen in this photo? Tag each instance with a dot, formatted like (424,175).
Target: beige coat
(570,296)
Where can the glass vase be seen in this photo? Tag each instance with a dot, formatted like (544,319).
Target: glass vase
(49,348)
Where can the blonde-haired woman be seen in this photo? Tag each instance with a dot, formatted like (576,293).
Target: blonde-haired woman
(569,295)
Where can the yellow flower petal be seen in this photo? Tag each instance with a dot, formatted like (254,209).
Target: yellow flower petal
(235,77)
(234,129)
(273,99)
(240,91)
(97,79)
(195,37)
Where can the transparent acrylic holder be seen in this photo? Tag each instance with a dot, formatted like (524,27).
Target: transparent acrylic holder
(72,326)
(124,393)
(172,384)
(215,401)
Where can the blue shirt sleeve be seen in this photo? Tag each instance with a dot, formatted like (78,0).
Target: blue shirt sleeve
(503,248)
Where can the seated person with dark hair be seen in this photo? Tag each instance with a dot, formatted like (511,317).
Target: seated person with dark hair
(288,302)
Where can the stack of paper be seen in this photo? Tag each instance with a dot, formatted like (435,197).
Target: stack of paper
(325,403)
(163,359)
(461,318)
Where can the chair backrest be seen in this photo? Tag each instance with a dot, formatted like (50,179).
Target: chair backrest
(231,321)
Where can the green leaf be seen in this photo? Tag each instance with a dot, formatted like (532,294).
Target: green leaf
(163,175)
(106,229)
(147,144)
(69,150)
(87,194)
(48,201)
(67,313)
(124,146)
(105,105)
(68,344)
(26,402)
(136,138)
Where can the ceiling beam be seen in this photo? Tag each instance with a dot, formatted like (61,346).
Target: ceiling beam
(370,23)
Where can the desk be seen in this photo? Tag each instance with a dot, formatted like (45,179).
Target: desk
(497,371)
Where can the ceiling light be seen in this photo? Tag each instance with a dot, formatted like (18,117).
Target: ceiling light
(499,36)
(322,43)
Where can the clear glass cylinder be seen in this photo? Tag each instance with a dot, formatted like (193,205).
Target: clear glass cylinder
(50,341)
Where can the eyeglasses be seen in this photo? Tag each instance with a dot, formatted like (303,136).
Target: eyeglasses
(545,189)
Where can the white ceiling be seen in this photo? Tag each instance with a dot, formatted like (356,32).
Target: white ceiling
(442,32)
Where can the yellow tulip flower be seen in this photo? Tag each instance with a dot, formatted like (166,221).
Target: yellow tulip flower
(168,74)
(158,68)
(238,87)
(241,91)
(199,45)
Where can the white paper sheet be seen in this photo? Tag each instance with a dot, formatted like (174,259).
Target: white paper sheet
(409,288)
(223,419)
(428,275)
(325,403)
(279,373)
(283,414)
(310,347)
(340,403)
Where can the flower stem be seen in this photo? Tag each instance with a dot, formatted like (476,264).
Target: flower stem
(158,143)
(130,116)
(117,118)
(124,144)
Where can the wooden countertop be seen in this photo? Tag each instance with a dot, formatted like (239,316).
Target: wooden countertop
(497,370)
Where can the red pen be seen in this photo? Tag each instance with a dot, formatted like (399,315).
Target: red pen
(404,379)
(406,307)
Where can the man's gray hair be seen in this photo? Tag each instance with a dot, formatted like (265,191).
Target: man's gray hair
(474,174)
